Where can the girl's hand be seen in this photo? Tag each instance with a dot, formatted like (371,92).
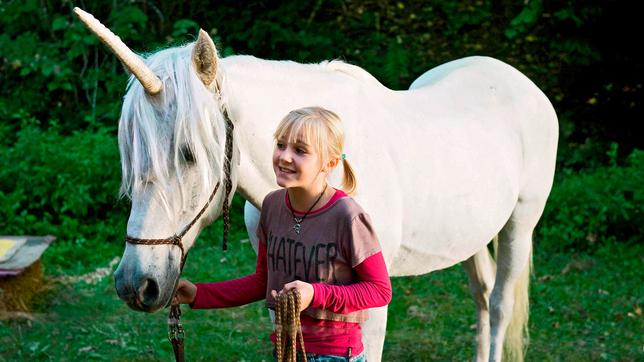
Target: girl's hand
(306,292)
(186,292)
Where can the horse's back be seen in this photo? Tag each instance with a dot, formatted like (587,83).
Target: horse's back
(471,69)
(481,80)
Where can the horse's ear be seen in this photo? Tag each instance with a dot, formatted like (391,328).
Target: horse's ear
(204,58)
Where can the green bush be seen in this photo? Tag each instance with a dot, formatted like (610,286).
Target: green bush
(587,209)
(66,186)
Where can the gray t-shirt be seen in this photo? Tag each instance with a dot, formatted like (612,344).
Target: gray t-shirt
(332,241)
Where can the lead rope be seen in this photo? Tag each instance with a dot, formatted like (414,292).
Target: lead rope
(288,327)
(176,334)
(228,182)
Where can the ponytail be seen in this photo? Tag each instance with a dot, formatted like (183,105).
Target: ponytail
(349,182)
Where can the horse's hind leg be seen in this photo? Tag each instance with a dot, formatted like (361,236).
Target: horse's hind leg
(480,269)
(509,299)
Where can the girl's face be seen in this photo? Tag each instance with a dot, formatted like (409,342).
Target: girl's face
(296,164)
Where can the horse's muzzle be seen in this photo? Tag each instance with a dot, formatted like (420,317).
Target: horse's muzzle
(141,292)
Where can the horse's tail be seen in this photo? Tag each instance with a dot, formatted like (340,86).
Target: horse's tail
(517,336)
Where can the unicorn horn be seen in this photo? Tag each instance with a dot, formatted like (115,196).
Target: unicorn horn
(151,83)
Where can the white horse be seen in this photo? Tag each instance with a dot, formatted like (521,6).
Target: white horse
(468,153)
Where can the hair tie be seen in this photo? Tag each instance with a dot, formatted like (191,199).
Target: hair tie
(344,156)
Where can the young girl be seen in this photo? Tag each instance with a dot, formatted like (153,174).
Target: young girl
(314,238)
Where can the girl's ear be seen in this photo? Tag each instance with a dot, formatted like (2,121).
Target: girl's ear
(333,163)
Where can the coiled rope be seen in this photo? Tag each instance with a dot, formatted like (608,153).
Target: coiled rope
(288,327)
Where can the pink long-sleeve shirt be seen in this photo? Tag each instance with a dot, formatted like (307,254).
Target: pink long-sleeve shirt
(370,288)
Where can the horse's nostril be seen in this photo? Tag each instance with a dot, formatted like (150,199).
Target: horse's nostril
(149,292)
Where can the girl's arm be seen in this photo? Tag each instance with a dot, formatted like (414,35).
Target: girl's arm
(232,293)
(373,289)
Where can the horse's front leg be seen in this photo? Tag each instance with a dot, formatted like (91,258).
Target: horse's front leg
(480,269)
(251,219)
(373,333)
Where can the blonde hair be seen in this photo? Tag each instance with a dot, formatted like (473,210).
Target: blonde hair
(322,129)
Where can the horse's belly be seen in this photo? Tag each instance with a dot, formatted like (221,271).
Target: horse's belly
(456,207)
(449,236)
(439,244)
(409,261)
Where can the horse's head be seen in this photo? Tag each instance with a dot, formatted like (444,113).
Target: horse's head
(172,141)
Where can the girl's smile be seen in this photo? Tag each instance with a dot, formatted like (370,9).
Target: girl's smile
(295,164)
(286,170)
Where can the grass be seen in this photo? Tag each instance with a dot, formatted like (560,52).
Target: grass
(585,307)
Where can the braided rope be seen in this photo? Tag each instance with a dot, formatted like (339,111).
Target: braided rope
(228,184)
(288,327)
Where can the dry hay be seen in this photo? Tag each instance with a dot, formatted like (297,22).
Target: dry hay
(18,291)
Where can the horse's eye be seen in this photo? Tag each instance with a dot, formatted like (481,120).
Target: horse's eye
(187,156)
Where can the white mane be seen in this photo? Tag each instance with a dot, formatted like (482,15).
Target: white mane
(157,134)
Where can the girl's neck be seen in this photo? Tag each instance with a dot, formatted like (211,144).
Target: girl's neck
(302,199)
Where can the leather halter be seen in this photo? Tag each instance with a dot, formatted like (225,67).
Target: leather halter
(176,239)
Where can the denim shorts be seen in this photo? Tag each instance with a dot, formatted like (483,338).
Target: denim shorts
(312,357)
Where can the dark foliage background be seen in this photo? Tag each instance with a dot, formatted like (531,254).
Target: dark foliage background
(61,94)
